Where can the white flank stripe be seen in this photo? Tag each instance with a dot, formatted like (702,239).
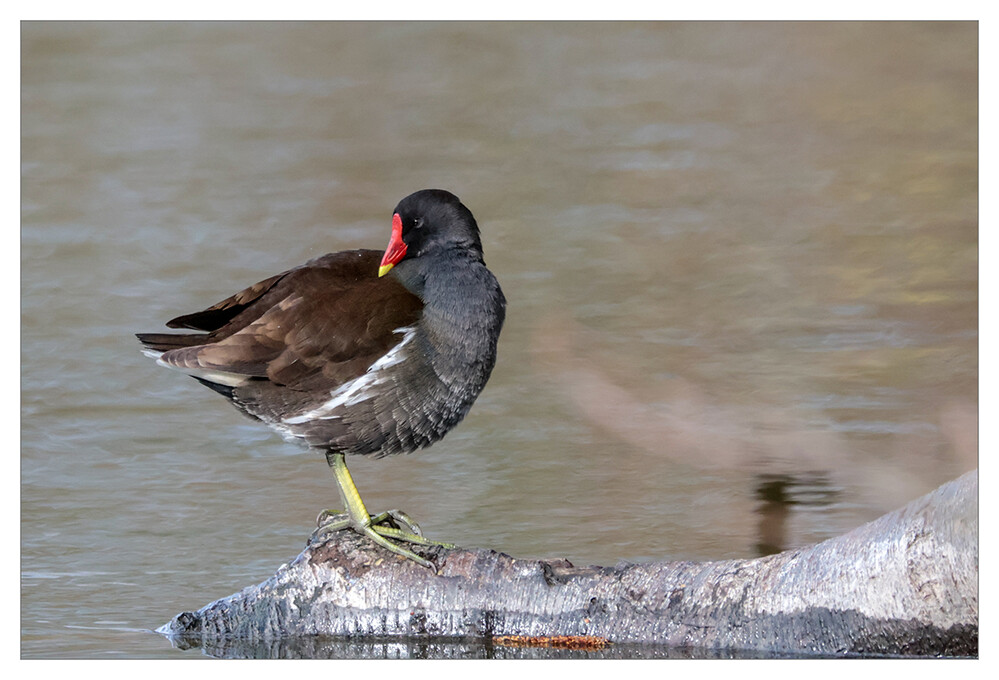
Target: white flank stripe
(357,390)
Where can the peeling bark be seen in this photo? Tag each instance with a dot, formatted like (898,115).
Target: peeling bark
(905,584)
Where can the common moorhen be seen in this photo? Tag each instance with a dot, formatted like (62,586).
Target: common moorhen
(357,352)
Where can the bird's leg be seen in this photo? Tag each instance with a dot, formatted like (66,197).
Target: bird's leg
(379,528)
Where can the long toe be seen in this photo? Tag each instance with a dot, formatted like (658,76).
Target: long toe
(397,549)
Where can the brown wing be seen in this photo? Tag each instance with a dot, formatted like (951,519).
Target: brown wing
(318,325)
(215,318)
(220,314)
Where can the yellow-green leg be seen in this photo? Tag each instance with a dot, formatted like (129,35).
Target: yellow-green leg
(379,528)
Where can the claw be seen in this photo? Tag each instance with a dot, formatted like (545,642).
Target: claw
(326,516)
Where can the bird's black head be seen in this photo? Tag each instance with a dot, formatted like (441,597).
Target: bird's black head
(427,222)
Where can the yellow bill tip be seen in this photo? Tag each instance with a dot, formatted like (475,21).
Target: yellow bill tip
(384,269)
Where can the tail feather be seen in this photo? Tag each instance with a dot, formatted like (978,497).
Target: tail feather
(225,390)
(164,342)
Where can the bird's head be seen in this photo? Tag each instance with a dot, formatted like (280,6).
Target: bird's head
(429,221)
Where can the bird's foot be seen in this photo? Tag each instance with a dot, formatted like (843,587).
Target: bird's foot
(392,518)
(392,524)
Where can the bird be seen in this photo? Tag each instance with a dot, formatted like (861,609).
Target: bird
(359,352)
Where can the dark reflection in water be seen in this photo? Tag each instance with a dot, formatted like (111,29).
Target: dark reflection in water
(778,494)
(332,648)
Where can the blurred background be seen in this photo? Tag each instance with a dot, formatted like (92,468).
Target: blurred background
(741,263)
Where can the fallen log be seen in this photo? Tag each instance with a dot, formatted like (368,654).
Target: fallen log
(905,584)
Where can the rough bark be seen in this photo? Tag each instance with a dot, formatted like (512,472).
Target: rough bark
(905,584)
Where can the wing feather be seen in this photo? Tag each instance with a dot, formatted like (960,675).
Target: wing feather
(321,324)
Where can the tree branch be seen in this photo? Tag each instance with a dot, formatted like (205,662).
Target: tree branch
(905,584)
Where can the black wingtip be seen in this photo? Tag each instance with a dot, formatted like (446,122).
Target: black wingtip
(225,390)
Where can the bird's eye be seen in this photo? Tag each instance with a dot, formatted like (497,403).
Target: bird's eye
(418,223)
